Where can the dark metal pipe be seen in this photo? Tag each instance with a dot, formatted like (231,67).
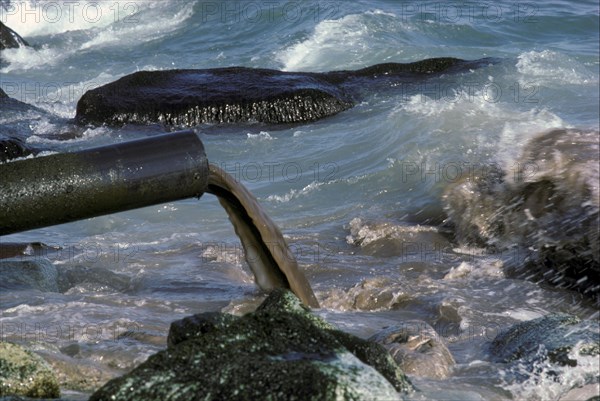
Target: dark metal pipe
(56,189)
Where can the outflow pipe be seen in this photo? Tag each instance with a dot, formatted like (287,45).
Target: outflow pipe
(60,188)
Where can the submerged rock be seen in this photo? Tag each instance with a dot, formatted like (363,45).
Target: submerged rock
(39,274)
(9,39)
(550,204)
(417,348)
(279,352)
(389,239)
(557,334)
(240,94)
(93,279)
(23,373)
(374,293)
(77,374)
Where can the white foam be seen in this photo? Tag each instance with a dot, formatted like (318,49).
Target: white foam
(550,68)
(155,26)
(46,17)
(381,12)
(115,26)
(363,234)
(44,128)
(477,111)
(341,41)
(482,269)
(519,129)
(295,193)
(553,382)
(26,58)
(261,136)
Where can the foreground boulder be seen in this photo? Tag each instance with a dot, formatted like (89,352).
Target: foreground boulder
(240,94)
(9,39)
(549,204)
(23,373)
(279,352)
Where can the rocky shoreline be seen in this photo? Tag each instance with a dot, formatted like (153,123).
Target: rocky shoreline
(282,351)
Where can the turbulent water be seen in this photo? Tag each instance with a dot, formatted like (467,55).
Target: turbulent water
(358,196)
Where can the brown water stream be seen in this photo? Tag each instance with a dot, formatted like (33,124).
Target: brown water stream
(265,249)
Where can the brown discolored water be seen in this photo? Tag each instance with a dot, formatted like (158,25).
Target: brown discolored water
(265,249)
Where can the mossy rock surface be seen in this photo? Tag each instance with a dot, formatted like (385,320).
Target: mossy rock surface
(279,352)
(23,373)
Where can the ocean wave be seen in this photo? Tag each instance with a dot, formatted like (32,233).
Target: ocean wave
(163,21)
(552,69)
(53,17)
(349,42)
(295,193)
(26,58)
(494,129)
(86,25)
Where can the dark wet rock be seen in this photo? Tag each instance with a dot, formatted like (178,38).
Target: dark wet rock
(25,249)
(39,274)
(24,373)
(417,349)
(240,94)
(279,352)
(549,204)
(557,334)
(12,148)
(92,279)
(11,145)
(9,39)
(228,95)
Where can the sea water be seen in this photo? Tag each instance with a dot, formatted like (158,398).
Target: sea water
(358,196)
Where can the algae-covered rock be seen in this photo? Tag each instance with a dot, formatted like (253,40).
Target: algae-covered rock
(244,95)
(558,334)
(26,374)
(279,352)
(196,325)
(417,348)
